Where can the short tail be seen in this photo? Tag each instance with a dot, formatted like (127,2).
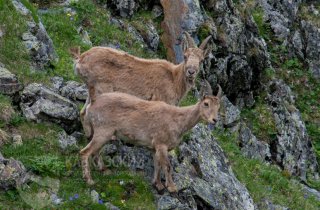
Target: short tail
(75,52)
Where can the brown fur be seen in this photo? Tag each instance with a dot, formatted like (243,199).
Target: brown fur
(105,69)
(153,124)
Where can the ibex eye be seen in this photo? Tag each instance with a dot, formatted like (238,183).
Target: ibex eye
(206,104)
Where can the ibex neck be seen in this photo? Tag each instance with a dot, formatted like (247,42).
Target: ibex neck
(191,116)
(182,86)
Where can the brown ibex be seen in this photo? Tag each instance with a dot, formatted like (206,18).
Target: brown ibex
(104,69)
(153,124)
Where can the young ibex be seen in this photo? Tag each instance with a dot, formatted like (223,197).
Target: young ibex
(153,124)
(104,69)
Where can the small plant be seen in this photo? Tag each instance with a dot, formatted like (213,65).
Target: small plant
(264,28)
(48,165)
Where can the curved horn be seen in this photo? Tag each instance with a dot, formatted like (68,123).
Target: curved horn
(205,42)
(190,40)
(219,94)
(208,87)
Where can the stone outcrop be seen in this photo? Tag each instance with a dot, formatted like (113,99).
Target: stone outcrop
(201,172)
(39,103)
(9,84)
(37,41)
(292,148)
(12,173)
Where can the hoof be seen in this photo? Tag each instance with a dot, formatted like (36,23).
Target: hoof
(159,186)
(172,189)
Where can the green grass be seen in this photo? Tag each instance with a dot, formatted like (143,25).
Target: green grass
(260,120)
(41,154)
(264,28)
(305,14)
(189,100)
(264,181)
(32,9)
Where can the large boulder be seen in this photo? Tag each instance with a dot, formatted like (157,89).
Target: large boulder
(39,103)
(201,172)
(12,173)
(9,83)
(292,148)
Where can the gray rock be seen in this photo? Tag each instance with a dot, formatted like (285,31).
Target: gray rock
(39,103)
(84,36)
(167,202)
(230,114)
(251,147)
(74,91)
(20,7)
(66,141)
(110,206)
(94,196)
(12,173)
(157,11)
(151,36)
(9,83)
(297,44)
(292,148)
(57,83)
(312,46)
(311,192)
(201,172)
(125,8)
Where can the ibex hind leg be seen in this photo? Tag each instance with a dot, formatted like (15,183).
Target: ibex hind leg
(98,140)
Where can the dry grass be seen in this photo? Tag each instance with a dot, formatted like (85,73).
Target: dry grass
(4,137)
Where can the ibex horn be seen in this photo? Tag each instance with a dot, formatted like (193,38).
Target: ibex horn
(219,94)
(190,40)
(205,42)
(208,87)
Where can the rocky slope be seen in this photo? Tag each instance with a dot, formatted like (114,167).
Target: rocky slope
(264,54)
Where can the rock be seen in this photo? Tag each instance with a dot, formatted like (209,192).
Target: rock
(150,36)
(94,196)
(230,114)
(251,147)
(16,140)
(292,149)
(311,192)
(39,103)
(1,33)
(125,8)
(12,173)
(201,172)
(74,91)
(37,40)
(9,84)
(20,8)
(297,44)
(110,206)
(312,46)
(66,141)
(167,202)
(55,199)
(84,36)
(57,83)
(179,16)
(268,205)
(157,11)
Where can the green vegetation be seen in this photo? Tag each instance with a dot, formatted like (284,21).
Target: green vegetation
(264,181)
(189,100)
(264,28)
(41,154)
(33,10)
(305,14)
(260,120)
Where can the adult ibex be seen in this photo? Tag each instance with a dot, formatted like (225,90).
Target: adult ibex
(153,124)
(104,69)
